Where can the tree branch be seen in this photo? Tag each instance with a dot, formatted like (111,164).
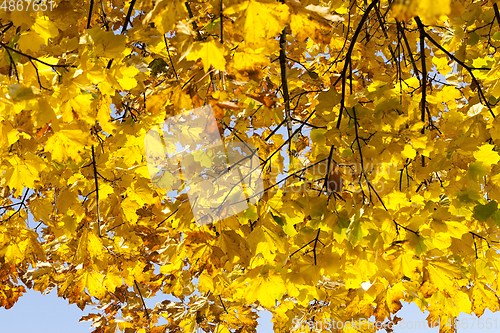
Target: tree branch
(424,77)
(284,85)
(33,58)
(94,166)
(104,15)
(348,57)
(21,204)
(461,63)
(497,14)
(169,57)
(125,24)
(90,13)
(410,54)
(127,18)
(142,299)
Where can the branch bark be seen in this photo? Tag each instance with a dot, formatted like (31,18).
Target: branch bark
(90,13)
(461,63)
(284,87)
(94,166)
(125,24)
(348,56)
(423,84)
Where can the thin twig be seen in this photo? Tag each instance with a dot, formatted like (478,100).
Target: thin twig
(461,63)
(348,57)
(12,65)
(159,224)
(90,13)
(424,78)
(127,18)
(21,204)
(170,58)
(125,24)
(33,58)
(96,191)
(220,298)
(142,299)
(284,85)
(497,14)
(104,15)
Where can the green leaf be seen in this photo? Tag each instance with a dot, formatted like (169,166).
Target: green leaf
(483,212)
(9,55)
(211,26)
(158,66)
(496,217)
(477,171)
(278,220)
(251,213)
(285,225)
(355,232)
(473,39)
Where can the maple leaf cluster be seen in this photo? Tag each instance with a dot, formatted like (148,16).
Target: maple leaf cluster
(377,131)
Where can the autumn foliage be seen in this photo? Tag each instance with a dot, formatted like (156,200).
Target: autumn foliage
(377,129)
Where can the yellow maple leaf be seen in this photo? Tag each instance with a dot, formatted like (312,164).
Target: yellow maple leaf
(304,27)
(23,172)
(12,253)
(128,80)
(89,247)
(166,14)
(106,43)
(443,275)
(210,53)
(222,329)
(205,283)
(483,298)
(394,295)
(266,288)
(113,279)
(487,155)
(129,208)
(67,143)
(94,246)
(30,41)
(45,28)
(19,93)
(262,22)
(429,10)
(409,152)
(94,284)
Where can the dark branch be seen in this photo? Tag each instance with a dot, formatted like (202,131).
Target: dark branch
(125,24)
(497,14)
(424,78)
(348,57)
(96,191)
(461,63)
(33,58)
(90,13)
(284,84)
(127,18)
(142,299)
(170,58)
(104,16)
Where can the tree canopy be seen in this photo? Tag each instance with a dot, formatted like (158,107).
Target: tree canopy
(377,136)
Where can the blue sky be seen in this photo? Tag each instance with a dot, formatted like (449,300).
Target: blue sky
(39,313)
